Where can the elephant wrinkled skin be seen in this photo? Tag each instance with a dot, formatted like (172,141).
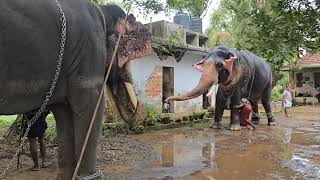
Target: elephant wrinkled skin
(240,74)
(29,46)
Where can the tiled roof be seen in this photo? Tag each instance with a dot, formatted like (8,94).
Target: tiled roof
(310,59)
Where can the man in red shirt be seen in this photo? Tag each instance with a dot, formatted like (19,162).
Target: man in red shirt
(246,115)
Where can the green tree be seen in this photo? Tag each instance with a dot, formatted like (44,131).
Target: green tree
(195,8)
(147,7)
(143,6)
(99,1)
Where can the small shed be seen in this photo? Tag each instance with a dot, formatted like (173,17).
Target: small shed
(305,79)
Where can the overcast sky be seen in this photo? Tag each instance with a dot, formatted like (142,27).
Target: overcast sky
(163,16)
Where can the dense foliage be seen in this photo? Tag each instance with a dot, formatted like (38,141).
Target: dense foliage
(195,8)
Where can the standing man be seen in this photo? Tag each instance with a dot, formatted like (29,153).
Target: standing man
(36,132)
(287,101)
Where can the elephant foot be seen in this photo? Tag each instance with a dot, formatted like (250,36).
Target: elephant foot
(271,122)
(235,127)
(216,125)
(256,120)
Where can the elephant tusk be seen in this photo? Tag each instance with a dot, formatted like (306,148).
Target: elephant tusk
(212,89)
(132,94)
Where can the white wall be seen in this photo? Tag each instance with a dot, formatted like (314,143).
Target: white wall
(185,78)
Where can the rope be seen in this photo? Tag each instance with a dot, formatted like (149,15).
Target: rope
(99,99)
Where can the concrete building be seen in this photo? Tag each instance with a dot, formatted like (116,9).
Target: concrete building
(159,76)
(305,79)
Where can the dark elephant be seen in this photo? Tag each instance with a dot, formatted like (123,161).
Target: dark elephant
(240,74)
(30,34)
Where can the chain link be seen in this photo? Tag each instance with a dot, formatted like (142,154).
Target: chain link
(252,72)
(50,91)
(250,75)
(232,83)
(96,174)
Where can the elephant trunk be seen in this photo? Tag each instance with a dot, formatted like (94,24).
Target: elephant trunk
(209,77)
(204,84)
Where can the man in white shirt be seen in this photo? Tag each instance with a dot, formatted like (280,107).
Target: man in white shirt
(287,101)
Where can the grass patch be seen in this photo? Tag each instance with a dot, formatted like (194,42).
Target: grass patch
(5,123)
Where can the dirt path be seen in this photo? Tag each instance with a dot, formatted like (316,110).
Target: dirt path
(289,150)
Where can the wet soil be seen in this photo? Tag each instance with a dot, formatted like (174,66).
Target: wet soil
(290,150)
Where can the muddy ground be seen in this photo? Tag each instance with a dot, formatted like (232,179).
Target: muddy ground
(291,150)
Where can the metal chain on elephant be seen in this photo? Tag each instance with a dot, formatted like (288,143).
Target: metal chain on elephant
(251,73)
(52,87)
(232,83)
(97,173)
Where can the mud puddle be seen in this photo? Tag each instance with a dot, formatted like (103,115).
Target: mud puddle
(290,150)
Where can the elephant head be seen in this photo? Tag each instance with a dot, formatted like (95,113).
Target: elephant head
(215,68)
(135,43)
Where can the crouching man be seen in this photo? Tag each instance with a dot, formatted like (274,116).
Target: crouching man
(246,114)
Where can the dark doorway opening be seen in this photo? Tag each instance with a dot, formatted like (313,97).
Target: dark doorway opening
(168,86)
(316,77)
(299,79)
(206,101)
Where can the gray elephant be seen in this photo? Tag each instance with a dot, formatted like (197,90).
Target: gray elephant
(240,74)
(30,33)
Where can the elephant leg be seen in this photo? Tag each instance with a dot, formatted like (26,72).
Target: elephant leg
(255,113)
(235,112)
(267,107)
(219,109)
(83,104)
(65,139)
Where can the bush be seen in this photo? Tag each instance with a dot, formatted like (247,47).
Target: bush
(138,129)
(120,127)
(152,115)
(281,85)
(276,95)
(51,133)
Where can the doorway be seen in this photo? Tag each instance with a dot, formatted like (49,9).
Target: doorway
(168,86)
(316,77)
(206,101)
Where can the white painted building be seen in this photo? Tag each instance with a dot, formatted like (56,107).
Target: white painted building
(157,79)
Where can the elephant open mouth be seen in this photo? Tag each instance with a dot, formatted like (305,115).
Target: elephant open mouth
(135,43)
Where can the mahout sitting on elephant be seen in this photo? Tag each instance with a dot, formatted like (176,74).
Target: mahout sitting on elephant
(240,74)
(30,42)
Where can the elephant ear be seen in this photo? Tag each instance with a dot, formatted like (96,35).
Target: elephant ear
(228,64)
(135,42)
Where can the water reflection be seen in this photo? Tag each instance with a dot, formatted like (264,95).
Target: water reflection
(180,150)
(168,153)
(208,154)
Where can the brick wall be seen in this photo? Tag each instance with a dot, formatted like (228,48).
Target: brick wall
(153,88)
